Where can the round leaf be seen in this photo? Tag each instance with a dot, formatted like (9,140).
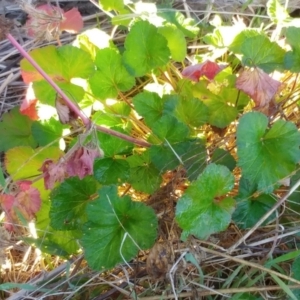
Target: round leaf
(204,209)
(117,229)
(146,49)
(266,155)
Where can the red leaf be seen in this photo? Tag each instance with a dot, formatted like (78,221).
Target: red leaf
(43,21)
(28,200)
(28,106)
(72,22)
(46,22)
(208,69)
(81,162)
(258,85)
(7,202)
(53,172)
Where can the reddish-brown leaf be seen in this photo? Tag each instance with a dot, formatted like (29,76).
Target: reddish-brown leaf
(81,162)
(258,85)
(53,172)
(72,22)
(25,199)
(28,200)
(46,22)
(208,69)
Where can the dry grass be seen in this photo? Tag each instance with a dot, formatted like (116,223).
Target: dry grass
(232,261)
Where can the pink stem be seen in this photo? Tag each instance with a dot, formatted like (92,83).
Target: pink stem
(71,105)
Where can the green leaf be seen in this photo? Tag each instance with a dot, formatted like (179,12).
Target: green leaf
(52,65)
(50,247)
(170,129)
(111,171)
(277,13)
(92,40)
(250,210)
(45,132)
(292,61)
(245,296)
(192,112)
(223,157)
(296,268)
(24,162)
(259,51)
(176,41)
(112,145)
(112,4)
(221,114)
(76,62)
(145,49)
(47,95)
(191,153)
(63,63)
(62,243)
(266,155)
(150,106)
(2,179)
(113,115)
(111,76)
(144,176)
(68,202)
(187,25)
(292,58)
(117,229)
(15,130)
(204,209)
(241,38)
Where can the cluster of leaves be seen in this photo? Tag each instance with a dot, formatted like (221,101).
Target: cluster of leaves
(139,89)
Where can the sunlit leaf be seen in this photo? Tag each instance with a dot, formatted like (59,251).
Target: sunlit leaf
(111,76)
(24,162)
(187,25)
(259,51)
(176,41)
(145,49)
(277,13)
